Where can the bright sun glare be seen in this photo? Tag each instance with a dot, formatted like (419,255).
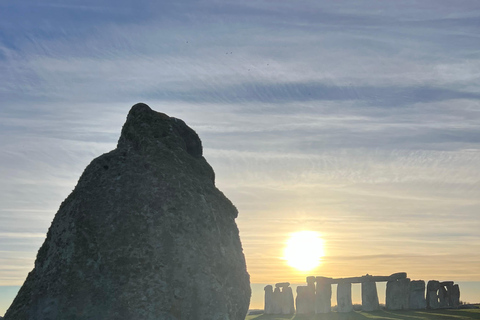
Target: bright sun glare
(304,250)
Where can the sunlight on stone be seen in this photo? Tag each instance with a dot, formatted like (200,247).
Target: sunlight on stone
(304,250)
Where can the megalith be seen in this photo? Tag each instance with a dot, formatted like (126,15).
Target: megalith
(344,297)
(369,296)
(145,234)
(455,296)
(323,295)
(397,294)
(301,301)
(417,295)
(268,307)
(432,294)
(277,301)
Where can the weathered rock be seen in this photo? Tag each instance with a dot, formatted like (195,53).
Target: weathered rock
(323,295)
(344,297)
(301,301)
(417,295)
(287,303)
(144,235)
(442,297)
(277,301)
(311,295)
(397,294)
(455,296)
(432,294)
(282,284)
(369,296)
(268,308)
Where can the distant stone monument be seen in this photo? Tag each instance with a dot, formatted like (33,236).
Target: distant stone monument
(269,303)
(280,301)
(369,296)
(432,294)
(344,297)
(417,295)
(397,294)
(323,295)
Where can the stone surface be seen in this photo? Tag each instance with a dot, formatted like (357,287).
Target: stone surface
(287,301)
(323,295)
(268,308)
(417,295)
(145,234)
(432,294)
(442,297)
(310,295)
(282,284)
(455,296)
(369,296)
(277,301)
(301,301)
(344,297)
(397,294)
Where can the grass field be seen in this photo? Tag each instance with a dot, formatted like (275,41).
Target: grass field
(450,314)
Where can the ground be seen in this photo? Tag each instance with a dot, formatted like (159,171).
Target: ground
(458,314)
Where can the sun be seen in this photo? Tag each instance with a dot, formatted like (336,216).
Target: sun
(304,250)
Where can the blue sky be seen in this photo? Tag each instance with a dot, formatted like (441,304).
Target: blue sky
(356,119)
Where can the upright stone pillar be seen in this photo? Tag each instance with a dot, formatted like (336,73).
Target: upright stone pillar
(397,294)
(344,297)
(455,296)
(369,296)
(417,295)
(311,295)
(442,297)
(301,300)
(268,309)
(286,298)
(449,288)
(277,301)
(432,294)
(323,295)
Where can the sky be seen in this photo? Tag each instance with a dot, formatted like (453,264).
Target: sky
(359,120)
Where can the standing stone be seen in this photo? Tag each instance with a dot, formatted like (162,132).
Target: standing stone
(311,295)
(455,296)
(145,234)
(449,288)
(369,296)
(268,309)
(397,294)
(432,294)
(277,301)
(442,297)
(344,297)
(417,295)
(288,304)
(301,301)
(323,295)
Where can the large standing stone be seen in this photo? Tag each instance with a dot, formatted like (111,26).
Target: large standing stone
(288,306)
(301,301)
(369,296)
(344,297)
(311,295)
(455,295)
(432,294)
(268,309)
(417,295)
(323,295)
(277,301)
(397,294)
(145,234)
(442,297)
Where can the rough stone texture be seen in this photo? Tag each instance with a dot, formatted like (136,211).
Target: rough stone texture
(277,301)
(432,294)
(397,294)
(344,297)
(145,234)
(369,296)
(417,295)
(301,301)
(443,297)
(323,295)
(282,284)
(268,309)
(311,295)
(287,301)
(455,296)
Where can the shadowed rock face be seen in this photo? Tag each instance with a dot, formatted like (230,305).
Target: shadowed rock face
(145,234)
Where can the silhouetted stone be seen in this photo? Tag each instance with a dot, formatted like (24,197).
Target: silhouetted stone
(417,295)
(344,297)
(268,309)
(397,294)
(287,304)
(432,294)
(145,235)
(323,295)
(277,301)
(455,296)
(369,296)
(311,295)
(301,301)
